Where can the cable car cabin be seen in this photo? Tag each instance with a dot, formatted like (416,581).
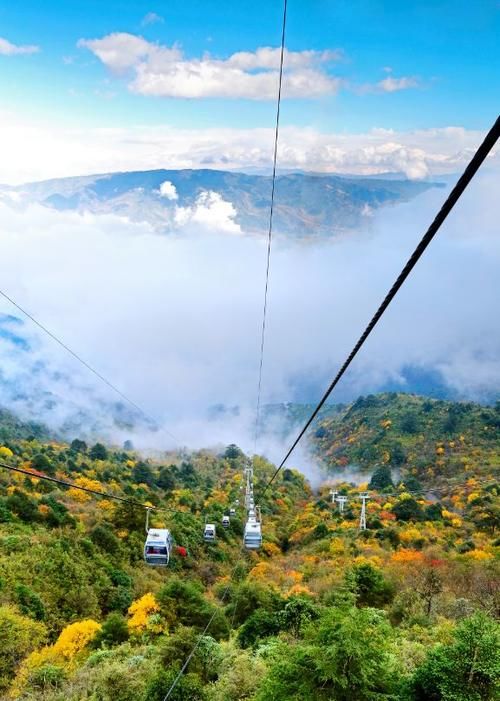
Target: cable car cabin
(252,538)
(158,547)
(209,533)
(232,512)
(237,502)
(225,521)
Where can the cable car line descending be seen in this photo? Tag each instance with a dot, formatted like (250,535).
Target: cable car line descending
(460,187)
(270,230)
(87,365)
(253,521)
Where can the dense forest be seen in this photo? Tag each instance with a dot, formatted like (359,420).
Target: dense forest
(405,610)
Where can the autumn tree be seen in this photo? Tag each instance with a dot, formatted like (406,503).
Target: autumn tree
(429,585)
(19,635)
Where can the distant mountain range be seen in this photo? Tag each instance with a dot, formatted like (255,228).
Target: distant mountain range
(306,204)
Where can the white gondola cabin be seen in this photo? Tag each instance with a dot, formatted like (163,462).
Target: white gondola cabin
(232,512)
(226,521)
(252,538)
(158,547)
(209,534)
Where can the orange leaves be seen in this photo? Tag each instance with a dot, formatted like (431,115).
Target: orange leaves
(407,556)
(271,549)
(295,576)
(387,516)
(260,571)
(386,423)
(298,590)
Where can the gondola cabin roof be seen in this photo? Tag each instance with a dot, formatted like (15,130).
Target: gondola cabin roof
(158,536)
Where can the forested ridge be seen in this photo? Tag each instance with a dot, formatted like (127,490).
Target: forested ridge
(406,609)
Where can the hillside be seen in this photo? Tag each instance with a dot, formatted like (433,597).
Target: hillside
(403,610)
(430,439)
(306,204)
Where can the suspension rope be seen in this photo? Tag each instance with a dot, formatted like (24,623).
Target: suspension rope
(452,199)
(87,365)
(270,230)
(65,483)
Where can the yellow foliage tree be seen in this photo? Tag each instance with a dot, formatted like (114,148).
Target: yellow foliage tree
(5,452)
(479,555)
(140,611)
(405,556)
(80,496)
(271,549)
(75,637)
(72,640)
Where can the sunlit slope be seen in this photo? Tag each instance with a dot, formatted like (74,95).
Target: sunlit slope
(306,204)
(323,611)
(430,439)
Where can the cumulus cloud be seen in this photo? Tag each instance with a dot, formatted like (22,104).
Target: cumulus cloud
(174,320)
(168,190)
(34,152)
(163,71)
(7,48)
(211,212)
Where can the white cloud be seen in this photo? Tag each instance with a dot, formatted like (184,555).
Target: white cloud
(391,84)
(7,48)
(32,151)
(152,18)
(121,51)
(210,212)
(165,72)
(168,190)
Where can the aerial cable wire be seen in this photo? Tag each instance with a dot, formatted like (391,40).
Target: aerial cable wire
(35,474)
(263,329)
(270,228)
(452,199)
(87,365)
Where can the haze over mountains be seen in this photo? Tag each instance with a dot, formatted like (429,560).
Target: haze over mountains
(307,205)
(156,279)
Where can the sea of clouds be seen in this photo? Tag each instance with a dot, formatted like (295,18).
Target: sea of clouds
(174,320)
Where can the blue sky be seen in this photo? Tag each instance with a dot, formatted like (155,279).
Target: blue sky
(410,66)
(451,47)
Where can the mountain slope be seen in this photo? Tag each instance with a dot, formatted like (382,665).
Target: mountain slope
(431,439)
(306,204)
(82,616)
